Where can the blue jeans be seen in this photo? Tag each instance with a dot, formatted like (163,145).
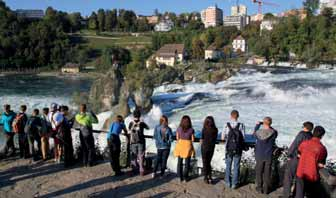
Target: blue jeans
(236,166)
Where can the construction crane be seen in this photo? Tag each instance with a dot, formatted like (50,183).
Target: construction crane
(261,3)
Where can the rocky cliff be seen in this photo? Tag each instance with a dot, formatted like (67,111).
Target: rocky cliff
(113,91)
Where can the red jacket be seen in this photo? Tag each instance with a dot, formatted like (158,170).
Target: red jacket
(312,152)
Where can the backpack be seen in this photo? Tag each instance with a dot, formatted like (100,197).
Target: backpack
(235,142)
(28,127)
(18,123)
(135,133)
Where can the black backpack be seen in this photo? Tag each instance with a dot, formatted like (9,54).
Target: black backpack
(135,133)
(235,141)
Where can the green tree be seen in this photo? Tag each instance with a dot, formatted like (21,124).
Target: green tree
(93,22)
(75,21)
(110,20)
(311,5)
(101,20)
(197,49)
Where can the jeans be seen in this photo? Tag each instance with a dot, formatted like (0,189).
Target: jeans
(9,142)
(183,174)
(114,147)
(307,188)
(232,181)
(31,141)
(161,159)
(207,154)
(88,149)
(289,176)
(263,175)
(137,157)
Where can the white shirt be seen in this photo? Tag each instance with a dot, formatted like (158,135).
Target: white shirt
(55,118)
(233,124)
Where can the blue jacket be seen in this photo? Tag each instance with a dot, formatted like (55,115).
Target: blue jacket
(6,120)
(162,143)
(115,129)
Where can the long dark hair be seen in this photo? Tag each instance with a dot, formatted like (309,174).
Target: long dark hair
(164,120)
(185,123)
(209,123)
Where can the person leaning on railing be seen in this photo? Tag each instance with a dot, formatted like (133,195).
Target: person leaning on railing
(85,121)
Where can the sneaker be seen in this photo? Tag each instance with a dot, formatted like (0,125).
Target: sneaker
(153,175)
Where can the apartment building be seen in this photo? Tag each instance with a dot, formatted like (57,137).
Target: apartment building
(212,16)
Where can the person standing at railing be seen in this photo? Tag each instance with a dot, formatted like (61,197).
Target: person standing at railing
(137,142)
(6,120)
(85,121)
(113,141)
(163,137)
(56,118)
(233,135)
(264,148)
(184,149)
(293,160)
(208,141)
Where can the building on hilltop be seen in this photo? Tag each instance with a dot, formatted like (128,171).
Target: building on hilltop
(239,10)
(236,21)
(152,20)
(71,68)
(213,52)
(301,13)
(170,55)
(212,17)
(268,24)
(257,17)
(238,17)
(164,26)
(239,44)
(30,14)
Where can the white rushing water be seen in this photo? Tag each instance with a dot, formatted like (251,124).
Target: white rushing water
(290,97)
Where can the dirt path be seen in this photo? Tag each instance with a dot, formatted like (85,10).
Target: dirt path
(20,178)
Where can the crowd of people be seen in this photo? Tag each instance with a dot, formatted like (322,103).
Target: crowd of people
(306,154)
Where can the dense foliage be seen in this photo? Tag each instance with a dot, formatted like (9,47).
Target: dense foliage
(311,40)
(34,43)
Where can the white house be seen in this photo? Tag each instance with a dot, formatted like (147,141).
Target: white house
(239,44)
(267,25)
(164,26)
(170,55)
(213,53)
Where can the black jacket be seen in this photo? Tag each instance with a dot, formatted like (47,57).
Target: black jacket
(302,136)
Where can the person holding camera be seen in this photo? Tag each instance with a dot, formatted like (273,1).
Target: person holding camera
(264,148)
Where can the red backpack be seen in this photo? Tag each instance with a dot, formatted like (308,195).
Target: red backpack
(17,123)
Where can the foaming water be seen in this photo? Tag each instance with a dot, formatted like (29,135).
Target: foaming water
(38,91)
(289,97)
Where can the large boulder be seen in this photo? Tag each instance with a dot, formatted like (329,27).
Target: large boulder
(105,91)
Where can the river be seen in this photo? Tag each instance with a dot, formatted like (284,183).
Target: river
(290,97)
(39,91)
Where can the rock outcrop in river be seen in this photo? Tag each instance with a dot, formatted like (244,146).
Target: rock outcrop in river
(113,91)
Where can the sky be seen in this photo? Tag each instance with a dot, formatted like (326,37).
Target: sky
(147,7)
